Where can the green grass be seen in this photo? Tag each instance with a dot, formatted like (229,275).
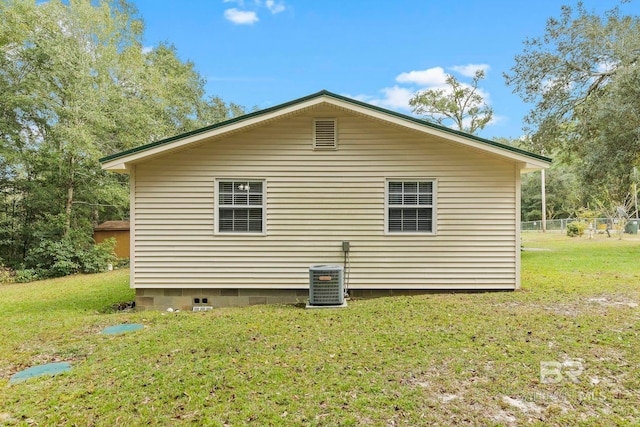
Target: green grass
(470,359)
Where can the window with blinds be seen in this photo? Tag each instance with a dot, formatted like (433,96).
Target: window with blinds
(410,206)
(240,206)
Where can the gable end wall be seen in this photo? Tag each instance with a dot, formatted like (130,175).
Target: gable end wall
(316,200)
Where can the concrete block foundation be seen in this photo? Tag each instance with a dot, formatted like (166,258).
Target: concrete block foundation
(186,299)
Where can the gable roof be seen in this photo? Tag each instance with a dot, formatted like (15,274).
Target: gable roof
(118,162)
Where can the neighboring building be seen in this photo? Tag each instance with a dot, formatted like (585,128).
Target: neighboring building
(118,230)
(237,212)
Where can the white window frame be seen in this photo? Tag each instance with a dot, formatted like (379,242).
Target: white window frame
(218,206)
(433,206)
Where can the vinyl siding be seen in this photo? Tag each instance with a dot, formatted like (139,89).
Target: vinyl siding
(315,200)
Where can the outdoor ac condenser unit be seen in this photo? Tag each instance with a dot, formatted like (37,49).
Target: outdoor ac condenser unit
(326,285)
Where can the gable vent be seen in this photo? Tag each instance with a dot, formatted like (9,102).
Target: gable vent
(324,136)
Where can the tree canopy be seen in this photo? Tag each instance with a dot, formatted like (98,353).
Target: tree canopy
(460,104)
(583,78)
(76,84)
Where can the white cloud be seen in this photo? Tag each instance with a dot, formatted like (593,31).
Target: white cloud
(606,66)
(398,96)
(430,77)
(274,7)
(393,98)
(554,84)
(241,17)
(436,77)
(469,70)
(147,49)
(497,119)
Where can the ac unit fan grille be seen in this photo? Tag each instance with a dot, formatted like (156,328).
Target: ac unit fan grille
(326,285)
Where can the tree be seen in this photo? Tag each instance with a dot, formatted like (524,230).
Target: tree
(563,193)
(75,85)
(459,103)
(617,211)
(562,198)
(583,78)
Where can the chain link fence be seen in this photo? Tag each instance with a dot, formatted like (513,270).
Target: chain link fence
(598,224)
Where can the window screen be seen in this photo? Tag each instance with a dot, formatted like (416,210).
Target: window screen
(410,206)
(240,206)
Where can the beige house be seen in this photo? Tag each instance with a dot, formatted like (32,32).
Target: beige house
(237,212)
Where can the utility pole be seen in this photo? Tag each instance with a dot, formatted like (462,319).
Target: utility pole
(634,186)
(544,200)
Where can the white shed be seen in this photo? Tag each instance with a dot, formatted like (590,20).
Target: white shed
(237,212)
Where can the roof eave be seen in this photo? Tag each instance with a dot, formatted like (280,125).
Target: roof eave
(116,166)
(532,167)
(121,162)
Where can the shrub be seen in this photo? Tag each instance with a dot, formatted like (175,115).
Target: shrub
(122,263)
(98,257)
(63,257)
(7,275)
(24,276)
(54,258)
(575,229)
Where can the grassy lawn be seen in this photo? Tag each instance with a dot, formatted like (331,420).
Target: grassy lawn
(471,359)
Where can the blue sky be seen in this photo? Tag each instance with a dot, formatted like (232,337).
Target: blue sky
(265,52)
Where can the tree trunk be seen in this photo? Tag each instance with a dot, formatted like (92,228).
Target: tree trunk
(96,218)
(69,204)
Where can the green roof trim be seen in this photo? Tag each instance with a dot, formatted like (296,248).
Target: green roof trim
(308,98)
